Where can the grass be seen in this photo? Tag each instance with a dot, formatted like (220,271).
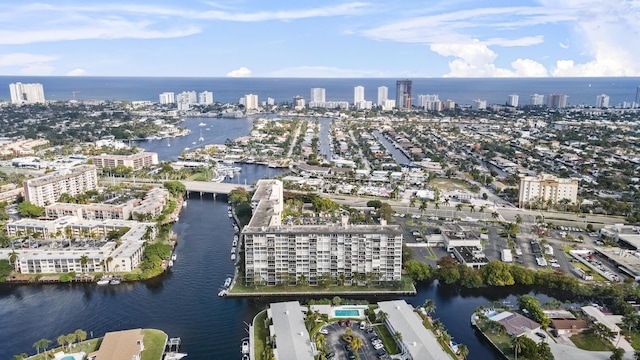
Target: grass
(432,255)
(427,324)
(405,285)
(634,338)
(587,340)
(260,334)
(388,340)
(449,184)
(502,341)
(87,347)
(154,343)
(198,177)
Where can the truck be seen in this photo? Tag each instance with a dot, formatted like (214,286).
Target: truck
(506,256)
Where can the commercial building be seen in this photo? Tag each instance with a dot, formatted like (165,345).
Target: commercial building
(545,187)
(455,235)
(134,161)
(557,101)
(317,95)
(383,94)
(537,100)
(404,90)
(205,98)
(47,189)
(277,253)
(513,100)
(26,93)
(602,101)
(167,98)
(417,342)
(292,340)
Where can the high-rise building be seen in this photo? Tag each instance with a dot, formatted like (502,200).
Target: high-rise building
(205,98)
(383,94)
(537,100)
(478,104)
(602,101)
(26,93)
(404,90)
(251,102)
(449,104)
(317,95)
(430,102)
(513,100)
(358,94)
(45,190)
(298,102)
(167,98)
(277,253)
(388,104)
(271,101)
(557,101)
(545,187)
(638,96)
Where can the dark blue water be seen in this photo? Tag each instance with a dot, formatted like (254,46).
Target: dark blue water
(581,91)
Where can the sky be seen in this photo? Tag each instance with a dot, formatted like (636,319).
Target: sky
(322,38)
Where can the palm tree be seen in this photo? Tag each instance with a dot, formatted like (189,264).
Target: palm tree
(41,344)
(356,343)
(472,208)
(398,336)
(636,355)
(618,354)
(70,338)
(518,219)
(495,215)
(438,326)
(463,351)
(458,207)
(382,316)
(81,335)
(517,343)
(412,202)
(423,206)
(109,260)
(13,256)
(61,340)
(631,320)
(321,341)
(429,306)
(84,260)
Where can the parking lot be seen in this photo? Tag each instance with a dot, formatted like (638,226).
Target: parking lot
(336,345)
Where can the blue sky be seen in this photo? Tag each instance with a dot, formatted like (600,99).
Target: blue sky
(278,38)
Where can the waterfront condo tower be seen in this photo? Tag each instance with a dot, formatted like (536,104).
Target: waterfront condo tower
(26,93)
(602,101)
(403,94)
(383,94)
(557,101)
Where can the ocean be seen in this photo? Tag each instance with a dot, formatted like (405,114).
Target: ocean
(580,91)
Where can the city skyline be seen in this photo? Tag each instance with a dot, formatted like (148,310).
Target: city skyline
(371,38)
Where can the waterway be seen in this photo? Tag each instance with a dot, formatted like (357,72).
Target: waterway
(184,301)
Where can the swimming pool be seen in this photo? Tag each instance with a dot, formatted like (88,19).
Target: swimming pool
(347,312)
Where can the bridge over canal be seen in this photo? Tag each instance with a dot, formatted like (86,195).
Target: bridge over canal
(208,187)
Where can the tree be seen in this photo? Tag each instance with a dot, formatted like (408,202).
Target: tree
(497,273)
(81,335)
(381,316)
(321,341)
(84,260)
(13,256)
(603,332)
(20,356)
(61,340)
(463,351)
(356,343)
(495,215)
(70,338)
(41,344)
(618,354)
(517,342)
(518,219)
(28,209)
(175,187)
(438,326)
(429,306)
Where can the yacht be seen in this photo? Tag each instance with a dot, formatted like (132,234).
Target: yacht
(202,124)
(103,281)
(174,257)
(114,282)
(227,282)
(233,257)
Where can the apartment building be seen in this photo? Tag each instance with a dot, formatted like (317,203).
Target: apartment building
(134,161)
(545,187)
(277,253)
(47,189)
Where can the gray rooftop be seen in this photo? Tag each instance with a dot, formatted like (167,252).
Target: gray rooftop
(421,343)
(292,340)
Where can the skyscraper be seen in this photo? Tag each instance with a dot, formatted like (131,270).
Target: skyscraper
(403,94)
(537,99)
(602,101)
(513,100)
(167,98)
(26,93)
(251,101)
(317,95)
(383,94)
(557,101)
(638,96)
(358,94)
(205,98)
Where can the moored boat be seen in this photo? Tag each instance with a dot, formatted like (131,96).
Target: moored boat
(227,282)
(103,281)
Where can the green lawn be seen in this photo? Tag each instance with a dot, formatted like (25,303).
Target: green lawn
(87,347)
(634,338)
(154,343)
(406,285)
(449,184)
(260,334)
(502,341)
(587,340)
(388,340)
(596,276)
(433,255)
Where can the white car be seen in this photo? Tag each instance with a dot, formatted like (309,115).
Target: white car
(323,331)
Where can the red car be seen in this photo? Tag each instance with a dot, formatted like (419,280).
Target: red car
(341,322)
(348,322)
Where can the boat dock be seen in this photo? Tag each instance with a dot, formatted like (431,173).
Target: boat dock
(172,350)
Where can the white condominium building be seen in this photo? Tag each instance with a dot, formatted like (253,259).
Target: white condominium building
(318,95)
(167,98)
(277,253)
(537,100)
(545,187)
(134,161)
(383,94)
(602,101)
(47,189)
(479,104)
(205,98)
(26,93)
(358,94)
(513,100)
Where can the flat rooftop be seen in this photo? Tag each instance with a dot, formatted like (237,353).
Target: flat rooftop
(628,258)
(292,340)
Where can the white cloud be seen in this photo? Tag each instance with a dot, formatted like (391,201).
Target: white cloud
(323,71)
(529,68)
(21,59)
(37,69)
(241,72)
(77,72)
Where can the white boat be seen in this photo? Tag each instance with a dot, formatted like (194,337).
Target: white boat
(222,293)
(230,214)
(114,282)
(234,243)
(174,356)
(233,257)
(170,263)
(233,250)
(187,149)
(184,204)
(103,281)
(174,257)
(227,282)
(202,124)
(245,346)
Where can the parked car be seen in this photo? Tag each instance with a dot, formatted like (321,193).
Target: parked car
(323,331)
(363,325)
(541,335)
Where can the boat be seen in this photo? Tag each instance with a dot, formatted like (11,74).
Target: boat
(174,257)
(103,281)
(230,214)
(184,204)
(222,293)
(245,346)
(193,143)
(114,282)
(202,124)
(233,257)
(227,282)
(233,250)
(170,263)
(187,149)
(234,243)
(174,356)
(201,138)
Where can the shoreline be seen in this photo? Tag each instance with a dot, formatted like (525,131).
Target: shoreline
(316,293)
